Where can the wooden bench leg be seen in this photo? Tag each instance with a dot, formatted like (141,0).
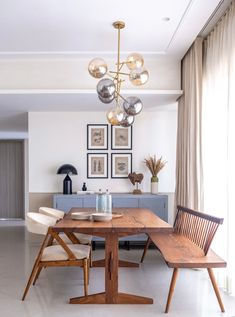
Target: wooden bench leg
(213,281)
(171,290)
(145,250)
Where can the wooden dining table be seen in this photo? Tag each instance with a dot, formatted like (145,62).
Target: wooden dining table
(131,222)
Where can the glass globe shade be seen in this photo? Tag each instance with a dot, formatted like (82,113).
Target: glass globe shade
(107,99)
(97,68)
(132,106)
(127,121)
(105,88)
(134,61)
(115,116)
(139,76)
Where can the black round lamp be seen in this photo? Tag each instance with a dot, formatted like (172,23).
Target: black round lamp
(67,169)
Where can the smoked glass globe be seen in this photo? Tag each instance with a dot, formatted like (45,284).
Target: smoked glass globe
(132,105)
(105,88)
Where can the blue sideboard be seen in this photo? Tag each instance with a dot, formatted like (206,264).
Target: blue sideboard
(157,203)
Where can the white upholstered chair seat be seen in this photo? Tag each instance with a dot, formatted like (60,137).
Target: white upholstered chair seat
(57,253)
(56,213)
(83,238)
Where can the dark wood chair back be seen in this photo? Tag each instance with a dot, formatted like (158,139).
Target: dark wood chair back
(198,227)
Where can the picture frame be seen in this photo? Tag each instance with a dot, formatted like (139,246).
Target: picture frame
(121,165)
(121,138)
(97,136)
(97,165)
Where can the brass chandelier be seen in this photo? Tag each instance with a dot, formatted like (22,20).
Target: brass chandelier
(108,89)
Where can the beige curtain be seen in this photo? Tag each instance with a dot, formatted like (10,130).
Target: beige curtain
(218,136)
(189,189)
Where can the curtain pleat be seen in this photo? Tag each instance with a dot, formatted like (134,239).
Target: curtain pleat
(189,190)
(218,135)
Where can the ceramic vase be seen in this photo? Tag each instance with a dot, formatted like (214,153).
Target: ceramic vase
(154,185)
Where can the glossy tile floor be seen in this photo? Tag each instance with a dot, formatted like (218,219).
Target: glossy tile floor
(193,295)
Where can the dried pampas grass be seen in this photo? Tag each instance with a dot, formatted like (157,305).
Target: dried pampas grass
(154,165)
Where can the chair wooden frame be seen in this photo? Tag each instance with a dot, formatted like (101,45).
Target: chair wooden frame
(72,261)
(189,247)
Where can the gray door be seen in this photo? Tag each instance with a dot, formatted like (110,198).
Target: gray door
(11,179)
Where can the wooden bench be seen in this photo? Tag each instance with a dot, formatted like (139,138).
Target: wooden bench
(188,246)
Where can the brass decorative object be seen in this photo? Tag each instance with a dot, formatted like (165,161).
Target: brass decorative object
(109,89)
(136,179)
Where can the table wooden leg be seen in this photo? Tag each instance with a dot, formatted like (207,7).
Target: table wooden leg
(111,295)
(111,268)
(121,263)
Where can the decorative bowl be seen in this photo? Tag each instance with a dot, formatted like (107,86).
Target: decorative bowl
(101,216)
(81,215)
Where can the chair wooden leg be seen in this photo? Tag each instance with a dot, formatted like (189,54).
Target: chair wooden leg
(37,275)
(88,271)
(36,265)
(90,258)
(171,290)
(145,250)
(85,272)
(34,270)
(216,289)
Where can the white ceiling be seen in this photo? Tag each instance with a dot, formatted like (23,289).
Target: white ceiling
(33,27)
(86,26)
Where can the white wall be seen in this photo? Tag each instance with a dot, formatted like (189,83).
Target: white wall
(60,137)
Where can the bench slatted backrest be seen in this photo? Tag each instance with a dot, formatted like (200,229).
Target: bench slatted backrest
(198,227)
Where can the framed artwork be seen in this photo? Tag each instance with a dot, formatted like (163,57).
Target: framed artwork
(97,137)
(121,165)
(121,138)
(97,165)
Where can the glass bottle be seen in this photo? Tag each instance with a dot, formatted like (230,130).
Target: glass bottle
(100,201)
(108,202)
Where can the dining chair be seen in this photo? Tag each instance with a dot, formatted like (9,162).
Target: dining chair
(59,214)
(51,255)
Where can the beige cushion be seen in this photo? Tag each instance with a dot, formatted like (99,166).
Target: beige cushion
(83,238)
(38,223)
(56,213)
(57,253)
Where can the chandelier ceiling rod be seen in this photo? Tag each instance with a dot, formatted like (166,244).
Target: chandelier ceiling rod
(118,25)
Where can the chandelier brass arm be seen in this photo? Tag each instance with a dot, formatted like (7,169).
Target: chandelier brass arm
(119,73)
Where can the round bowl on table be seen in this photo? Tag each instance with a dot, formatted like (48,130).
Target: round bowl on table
(101,216)
(81,215)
